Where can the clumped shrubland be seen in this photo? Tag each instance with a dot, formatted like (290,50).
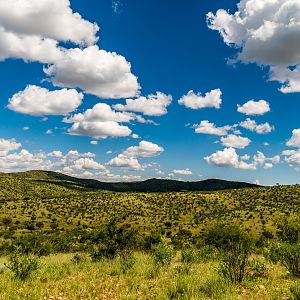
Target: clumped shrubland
(241,244)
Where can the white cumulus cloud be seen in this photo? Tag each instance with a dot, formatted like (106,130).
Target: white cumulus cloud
(206,127)
(8,145)
(100,129)
(258,128)
(194,100)
(229,158)
(38,101)
(235,141)
(129,158)
(152,105)
(47,18)
(253,108)
(294,141)
(267,33)
(95,71)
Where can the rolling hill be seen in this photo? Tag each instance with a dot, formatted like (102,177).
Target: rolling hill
(150,185)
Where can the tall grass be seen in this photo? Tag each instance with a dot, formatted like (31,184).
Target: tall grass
(61,278)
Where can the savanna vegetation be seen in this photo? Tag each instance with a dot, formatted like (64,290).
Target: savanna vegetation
(62,240)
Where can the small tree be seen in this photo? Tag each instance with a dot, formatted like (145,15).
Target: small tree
(110,239)
(235,246)
(235,261)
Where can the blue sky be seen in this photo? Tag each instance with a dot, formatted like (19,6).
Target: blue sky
(163,48)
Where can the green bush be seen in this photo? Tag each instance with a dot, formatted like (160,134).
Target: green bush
(110,239)
(163,253)
(223,235)
(288,255)
(23,265)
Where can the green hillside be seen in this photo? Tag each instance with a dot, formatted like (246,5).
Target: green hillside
(44,201)
(150,185)
(96,244)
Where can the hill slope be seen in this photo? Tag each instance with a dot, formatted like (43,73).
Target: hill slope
(150,185)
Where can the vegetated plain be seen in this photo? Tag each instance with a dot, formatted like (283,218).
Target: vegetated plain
(83,243)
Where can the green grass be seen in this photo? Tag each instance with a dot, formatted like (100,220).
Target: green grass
(59,278)
(42,207)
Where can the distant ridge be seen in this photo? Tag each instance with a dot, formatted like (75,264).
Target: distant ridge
(150,185)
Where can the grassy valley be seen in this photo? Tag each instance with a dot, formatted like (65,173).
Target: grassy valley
(83,242)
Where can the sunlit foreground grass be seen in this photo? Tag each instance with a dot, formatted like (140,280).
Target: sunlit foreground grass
(60,278)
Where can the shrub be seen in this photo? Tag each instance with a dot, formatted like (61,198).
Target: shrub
(110,239)
(223,235)
(288,255)
(163,253)
(235,261)
(22,265)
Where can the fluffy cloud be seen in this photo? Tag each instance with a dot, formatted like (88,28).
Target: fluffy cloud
(258,128)
(153,105)
(100,122)
(128,159)
(22,161)
(144,149)
(8,145)
(48,18)
(267,32)
(82,165)
(292,157)
(253,108)
(32,30)
(206,127)
(229,158)
(101,112)
(294,141)
(28,48)
(193,100)
(123,161)
(97,72)
(183,172)
(39,101)
(100,129)
(234,141)
(266,162)
(73,163)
